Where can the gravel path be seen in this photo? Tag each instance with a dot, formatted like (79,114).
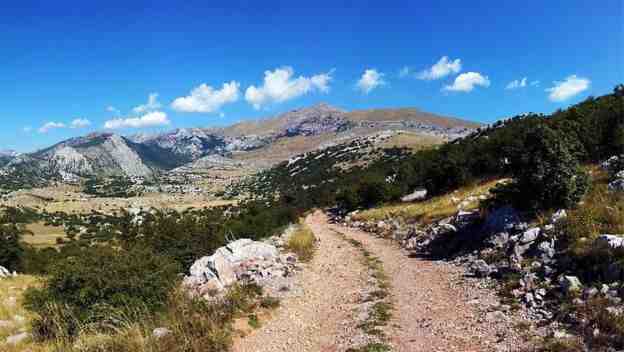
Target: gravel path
(319,318)
(436,308)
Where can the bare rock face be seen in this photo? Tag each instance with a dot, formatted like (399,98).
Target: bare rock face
(318,119)
(241,259)
(127,159)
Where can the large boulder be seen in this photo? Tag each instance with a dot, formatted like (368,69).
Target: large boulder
(228,264)
(246,249)
(418,194)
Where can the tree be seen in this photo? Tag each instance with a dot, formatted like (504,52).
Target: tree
(546,174)
(11,251)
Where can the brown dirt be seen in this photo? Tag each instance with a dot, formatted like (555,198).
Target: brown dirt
(436,308)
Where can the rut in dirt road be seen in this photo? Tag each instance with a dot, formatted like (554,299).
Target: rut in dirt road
(434,310)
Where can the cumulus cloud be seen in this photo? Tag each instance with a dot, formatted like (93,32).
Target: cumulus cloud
(370,80)
(279,86)
(113,109)
(440,69)
(151,105)
(151,119)
(466,82)
(79,123)
(515,84)
(205,98)
(50,126)
(570,87)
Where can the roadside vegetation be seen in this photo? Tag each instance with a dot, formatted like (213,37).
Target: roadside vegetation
(432,209)
(302,242)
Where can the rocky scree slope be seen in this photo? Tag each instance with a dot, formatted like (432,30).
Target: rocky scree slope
(104,154)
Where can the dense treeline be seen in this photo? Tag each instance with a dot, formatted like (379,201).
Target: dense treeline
(587,132)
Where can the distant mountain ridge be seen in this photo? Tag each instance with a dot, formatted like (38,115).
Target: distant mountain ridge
(144,155)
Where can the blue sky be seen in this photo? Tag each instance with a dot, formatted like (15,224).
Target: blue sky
(79,66)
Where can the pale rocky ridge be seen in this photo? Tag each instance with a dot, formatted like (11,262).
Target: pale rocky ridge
(147,156)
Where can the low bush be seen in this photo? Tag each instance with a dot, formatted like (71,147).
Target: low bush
(97,286)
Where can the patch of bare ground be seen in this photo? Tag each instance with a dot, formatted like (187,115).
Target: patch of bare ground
(437,308)
(430,305)
(318,314)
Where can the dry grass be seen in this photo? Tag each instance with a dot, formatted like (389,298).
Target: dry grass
(195,325)
(43,235)
(411,140)
(14,315)
(302,242)
(431,209)
(600,212)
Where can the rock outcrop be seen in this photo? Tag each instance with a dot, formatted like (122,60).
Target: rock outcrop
(244,261)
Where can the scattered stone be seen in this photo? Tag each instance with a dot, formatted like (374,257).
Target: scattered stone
(18,338)
(500,220)
(570,284)
(4,272)
(616,185)
(609,242)
(418,194)
(161,332)
(558,216)
(530,235)
(481,268)
(499,240)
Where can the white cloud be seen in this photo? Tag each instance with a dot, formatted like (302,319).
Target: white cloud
(151,119)
(568,88)
(466,82)
(204,98)
(151,105)
(113,109)
(79,123)
(50,126)
(27,129)
(441,69)
(370,80)
(515,84)
(405,71)
(279,86)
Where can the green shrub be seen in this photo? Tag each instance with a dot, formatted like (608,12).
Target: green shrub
(11,251)
(101,283)
(546,175)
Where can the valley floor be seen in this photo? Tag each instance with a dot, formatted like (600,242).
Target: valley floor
(435,307)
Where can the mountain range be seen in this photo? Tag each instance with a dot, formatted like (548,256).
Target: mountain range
(262,143)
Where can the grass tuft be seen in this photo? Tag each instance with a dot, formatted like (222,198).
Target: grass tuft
(302,242)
